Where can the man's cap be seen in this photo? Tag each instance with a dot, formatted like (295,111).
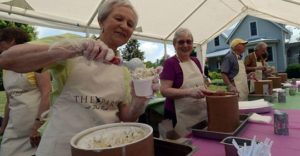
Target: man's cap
(237,41)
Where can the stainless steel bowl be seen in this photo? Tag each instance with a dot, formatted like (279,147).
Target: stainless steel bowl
(142,146)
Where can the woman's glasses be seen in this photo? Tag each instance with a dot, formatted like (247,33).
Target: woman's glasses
(188,42)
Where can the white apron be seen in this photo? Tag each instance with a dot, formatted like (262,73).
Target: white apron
(24,100)
(89,98)
(258,75)
(240,81)
(189,111)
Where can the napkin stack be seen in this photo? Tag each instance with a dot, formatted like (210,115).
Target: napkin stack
(256,106)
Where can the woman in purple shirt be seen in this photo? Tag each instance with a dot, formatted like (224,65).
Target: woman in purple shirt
(183,86)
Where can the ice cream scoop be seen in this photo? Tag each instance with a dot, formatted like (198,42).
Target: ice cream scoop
(112,58)
(134,63)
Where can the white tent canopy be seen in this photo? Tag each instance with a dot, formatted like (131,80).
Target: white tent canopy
(158,19)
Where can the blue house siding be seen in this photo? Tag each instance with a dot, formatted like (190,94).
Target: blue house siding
(272,33)
(211,45)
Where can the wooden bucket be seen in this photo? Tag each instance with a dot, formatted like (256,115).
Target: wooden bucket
(223,113)
(276,81)
(263,87)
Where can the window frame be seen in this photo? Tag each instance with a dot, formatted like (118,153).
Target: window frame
(217,39)
(250,28)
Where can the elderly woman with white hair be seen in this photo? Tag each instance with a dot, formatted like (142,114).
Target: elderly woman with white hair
(89,90)
(183,85)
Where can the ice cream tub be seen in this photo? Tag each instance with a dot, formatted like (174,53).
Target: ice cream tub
(276,81)
(116,139)
(283,77)
(263,87)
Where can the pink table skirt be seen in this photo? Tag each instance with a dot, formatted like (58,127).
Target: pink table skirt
(282,146)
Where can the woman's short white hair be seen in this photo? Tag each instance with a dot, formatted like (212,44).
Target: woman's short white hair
(106,8)
(260,44)
(181,31)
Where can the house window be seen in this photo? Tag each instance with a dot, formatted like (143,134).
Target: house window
(253,29)
(270,54)
(217,41)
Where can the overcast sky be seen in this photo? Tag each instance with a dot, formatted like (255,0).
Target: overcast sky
(153,51)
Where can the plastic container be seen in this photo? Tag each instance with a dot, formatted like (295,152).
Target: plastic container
(230,150)
(281,124)
(281,96)
(292,91)
(143,87)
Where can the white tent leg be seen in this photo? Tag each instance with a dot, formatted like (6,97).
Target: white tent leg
(165,50)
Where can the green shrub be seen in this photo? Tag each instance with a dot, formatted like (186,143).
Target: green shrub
(217,82)
(293,71)
(215,75)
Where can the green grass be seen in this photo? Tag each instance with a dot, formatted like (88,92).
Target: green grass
(2,102)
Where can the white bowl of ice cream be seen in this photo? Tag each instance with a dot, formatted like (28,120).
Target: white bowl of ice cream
(116,139)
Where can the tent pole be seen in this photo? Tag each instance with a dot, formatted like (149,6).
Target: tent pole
(165,50)
(197,8)
(87,33)
(243,3)
(94,14)
(294,2)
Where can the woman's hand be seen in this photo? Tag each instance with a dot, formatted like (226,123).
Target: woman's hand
(131,112)
(89,48)
(195,93)
(232,88)
(155,84)
(252,76)
(95,50)
(35,136)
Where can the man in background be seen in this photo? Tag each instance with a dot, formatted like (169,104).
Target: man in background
(233,69)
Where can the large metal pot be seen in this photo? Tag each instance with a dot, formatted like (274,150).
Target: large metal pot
(108,140)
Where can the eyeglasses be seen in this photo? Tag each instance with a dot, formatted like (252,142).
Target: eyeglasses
(188,42)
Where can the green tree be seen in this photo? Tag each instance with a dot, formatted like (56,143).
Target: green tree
(131,50)
(150,64)
(25,27)
(159,62)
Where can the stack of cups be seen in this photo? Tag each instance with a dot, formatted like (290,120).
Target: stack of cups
(274,96)
(293,90)
(281,123)
(281,96)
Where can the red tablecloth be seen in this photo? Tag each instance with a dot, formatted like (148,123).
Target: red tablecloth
(282,146)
